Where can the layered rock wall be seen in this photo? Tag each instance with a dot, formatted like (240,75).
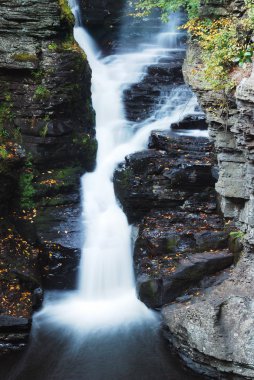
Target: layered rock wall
(47,141)
(214,332)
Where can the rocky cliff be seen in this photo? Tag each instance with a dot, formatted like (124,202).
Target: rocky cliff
(214,331)
(47,140)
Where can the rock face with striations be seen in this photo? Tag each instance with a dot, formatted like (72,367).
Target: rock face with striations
(47,141)
(168,192)
(214,332)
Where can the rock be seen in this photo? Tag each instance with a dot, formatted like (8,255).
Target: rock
(14,333)
(103,20)
(163,178)
(232,139)
(58,267)
(222,8)
(143,98)
(191,122)
(11,163)
(47,143)
(214,332)
(168,191)
(10,324)
(171,282)
(171,255)
(181,238)
(37,298)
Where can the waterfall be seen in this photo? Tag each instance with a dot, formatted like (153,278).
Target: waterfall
(106,295)
(102,330)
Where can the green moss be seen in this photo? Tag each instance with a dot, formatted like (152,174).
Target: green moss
(57,200)
(90,144)
(57,182)
(3,153)
(90,112)
(125,177)
(66,14)
(41,92)
(67,173)
(27,190)
(68,44)
(44,130)
(237,234)
(6,116)
(87,148)
(25,57)
(171,244)
(38,75)
(52,46)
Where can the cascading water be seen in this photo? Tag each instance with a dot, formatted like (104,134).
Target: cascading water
(106,295)
(74,328)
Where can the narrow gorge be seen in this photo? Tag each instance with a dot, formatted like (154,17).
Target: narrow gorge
(113,146)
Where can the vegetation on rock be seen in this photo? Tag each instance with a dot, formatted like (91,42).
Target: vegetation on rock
(68,44)
(66,13)
(225,41)
(144,7)
(26,186)
(25,57)
(41,92)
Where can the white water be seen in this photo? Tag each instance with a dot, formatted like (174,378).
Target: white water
(106,295)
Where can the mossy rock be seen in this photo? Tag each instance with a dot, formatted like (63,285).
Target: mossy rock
(66,13)
(87,147)
(56,182)
(25,57)
(172,243)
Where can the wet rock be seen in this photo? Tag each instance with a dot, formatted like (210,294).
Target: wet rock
(47,143)
(181,238)
(172,281)
(164,176)
(103,19)
(171,257)
(191,122)
(37,298)
(11,163)
(55,226)
(58,267)
(211,240)
(14,333)
(10,324)
(142,99)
